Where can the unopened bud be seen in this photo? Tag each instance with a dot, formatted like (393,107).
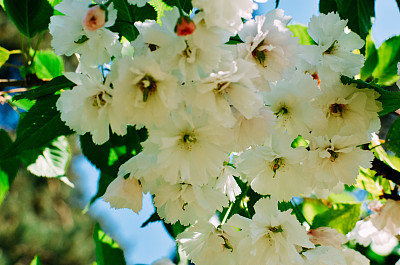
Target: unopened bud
(184,26)
(94,18)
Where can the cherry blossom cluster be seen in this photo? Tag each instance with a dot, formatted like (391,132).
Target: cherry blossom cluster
(262,108)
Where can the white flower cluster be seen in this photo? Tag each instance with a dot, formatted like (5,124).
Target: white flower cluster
(203,100)
(381,228)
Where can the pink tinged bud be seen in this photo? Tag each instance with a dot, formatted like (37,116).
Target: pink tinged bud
(94,19)
(184,26)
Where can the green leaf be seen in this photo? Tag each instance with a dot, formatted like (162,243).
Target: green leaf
(54,2)
(109,156)
(58,83)
(127,15)
(107,250)
(390,100)
(398,3)
(8,166)
(29,16)
(388,57)
(185,4)
(341,216)
(36,261)
(24,104)
(300,31)
(50,162)
(371,55)
(39,126)
(327,6)
(4,55)
(48,65)
(393,138)
(160,8)
(358,13)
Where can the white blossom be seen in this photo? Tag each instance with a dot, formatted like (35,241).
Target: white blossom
(89,107)
(124,193)
(269,44)
(70,35)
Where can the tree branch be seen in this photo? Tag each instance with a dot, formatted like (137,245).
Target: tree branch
(386,171)
(21,83)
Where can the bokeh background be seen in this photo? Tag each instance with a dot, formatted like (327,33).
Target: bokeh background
(46,217)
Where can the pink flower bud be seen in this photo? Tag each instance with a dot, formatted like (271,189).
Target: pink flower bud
(94,19)
(184,26)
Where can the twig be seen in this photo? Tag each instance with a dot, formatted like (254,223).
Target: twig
(386,171)
(21,83)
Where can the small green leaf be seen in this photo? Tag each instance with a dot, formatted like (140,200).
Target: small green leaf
(8,166)
(24,104)
(107,250)
(56,84)
(48,65)
(53,3)
(371,55)
(4,55)
(299,141)
(300,31)
(50,162)
(39,126)
(160,8)
(398,3)
(341,216)
(29,16)
(388,57)
(393,138)
(36,261)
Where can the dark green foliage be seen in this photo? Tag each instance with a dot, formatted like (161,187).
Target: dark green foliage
(185,4)
(38,127)
(56,84)
(357,12)
(327,6)
(29,16)
(107,250)
(127,15)
(109,156)
(393,138)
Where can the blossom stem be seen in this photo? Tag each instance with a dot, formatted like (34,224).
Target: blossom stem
(178,4)
(227,213)
(11,65)
(37,44)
